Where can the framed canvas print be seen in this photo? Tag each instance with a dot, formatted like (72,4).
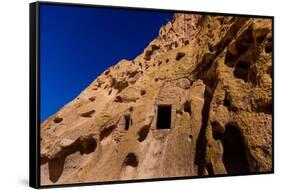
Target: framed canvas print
(121,94)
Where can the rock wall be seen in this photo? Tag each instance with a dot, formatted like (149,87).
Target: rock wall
(197,101)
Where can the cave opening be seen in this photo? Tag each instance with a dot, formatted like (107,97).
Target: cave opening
(217,130)
(241,70)
(143,132)
(164,117)
(187,107)
(127,122)
(131,160)
(234,155)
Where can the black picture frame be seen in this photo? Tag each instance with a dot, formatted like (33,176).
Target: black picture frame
(34,92)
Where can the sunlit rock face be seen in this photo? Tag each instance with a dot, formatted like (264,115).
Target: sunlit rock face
(197,101)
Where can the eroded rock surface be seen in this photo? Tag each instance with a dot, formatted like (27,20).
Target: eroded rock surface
(197,101)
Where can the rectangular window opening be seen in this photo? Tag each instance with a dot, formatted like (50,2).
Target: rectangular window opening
(164,117)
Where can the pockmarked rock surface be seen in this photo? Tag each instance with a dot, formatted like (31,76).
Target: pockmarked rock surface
(196,102)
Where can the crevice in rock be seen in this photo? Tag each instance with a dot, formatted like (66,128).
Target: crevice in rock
(210,169)
(180,55)
(124,99)
(88,113)
(107,131)
(201,142)
(127,122)
(109,92)
(210,80)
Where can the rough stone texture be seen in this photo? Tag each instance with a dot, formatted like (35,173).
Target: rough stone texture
(215,72)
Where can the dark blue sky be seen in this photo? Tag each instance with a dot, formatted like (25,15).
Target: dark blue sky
(78,43)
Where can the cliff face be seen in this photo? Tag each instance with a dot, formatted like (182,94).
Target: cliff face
(197,101)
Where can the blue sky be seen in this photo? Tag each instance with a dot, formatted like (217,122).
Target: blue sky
(78,43)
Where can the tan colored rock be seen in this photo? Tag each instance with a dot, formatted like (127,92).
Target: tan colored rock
(197,101)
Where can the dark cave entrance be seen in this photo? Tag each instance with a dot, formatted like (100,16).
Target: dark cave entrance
(241,70)
(234,156)
(164,117)
(127,122)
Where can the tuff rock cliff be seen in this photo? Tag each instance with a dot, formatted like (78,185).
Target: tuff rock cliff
(197,101)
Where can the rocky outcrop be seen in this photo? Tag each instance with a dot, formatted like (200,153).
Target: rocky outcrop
(197,101)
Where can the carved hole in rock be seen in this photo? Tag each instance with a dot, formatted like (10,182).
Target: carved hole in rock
(179,55)
(234,154)
(268,47)
(187,107)
(229,59)
(217,130)
(142,92)
(131,160)
(210,169)
(88,145)
(143,133)
(127,121)
(265,108)
(156,79)
(241,70)
(167,60)
(88,113)
(226,101)
(92,98)
(164,117)
(129,167)
(58,119)
(148,54)
(106,132)
(107,72)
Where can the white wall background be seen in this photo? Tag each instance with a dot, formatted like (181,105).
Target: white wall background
(14,60)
